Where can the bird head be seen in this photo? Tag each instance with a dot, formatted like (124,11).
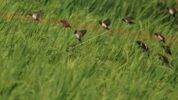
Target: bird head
(138,42)
(123,19)
(168,8)
(30,14)
(100,22)
(156,34)
(160,56)
(83,31)
(163,46)
(75,32)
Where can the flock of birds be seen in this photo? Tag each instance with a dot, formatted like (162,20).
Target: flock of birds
(106,23)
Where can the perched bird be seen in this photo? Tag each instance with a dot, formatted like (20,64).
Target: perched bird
(167,49)
(172,11)
(36,15)
(142,45)
(160,37)
(65,23)
(80,34)
(164,59)
(128,20)
(105,23)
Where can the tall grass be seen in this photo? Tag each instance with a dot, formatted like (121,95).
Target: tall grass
(38,61)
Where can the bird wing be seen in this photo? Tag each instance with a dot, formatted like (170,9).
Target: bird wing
(129,18)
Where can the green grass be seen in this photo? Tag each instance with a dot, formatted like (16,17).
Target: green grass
(35,63)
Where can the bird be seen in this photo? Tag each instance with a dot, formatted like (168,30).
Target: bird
(172,11)
(167,49)
(160,37)
(36,15)
(105,23)
(164,59)
(142,45)
(128,20)
(79,34)
(65,23)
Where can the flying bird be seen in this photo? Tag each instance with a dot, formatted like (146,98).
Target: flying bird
(128,20)
(160,37)
(172,11)
(36,15)
(65,23)
(167,49)
(105,23)
(79,34)
(142,45)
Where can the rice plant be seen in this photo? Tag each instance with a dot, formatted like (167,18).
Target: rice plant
(42,59)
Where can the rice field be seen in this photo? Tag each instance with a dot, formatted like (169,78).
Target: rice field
(42,60)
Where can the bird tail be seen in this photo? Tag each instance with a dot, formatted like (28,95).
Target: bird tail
(107,28)
(80,40)
(174,15)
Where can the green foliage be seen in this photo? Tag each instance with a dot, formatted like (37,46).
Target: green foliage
(41,61)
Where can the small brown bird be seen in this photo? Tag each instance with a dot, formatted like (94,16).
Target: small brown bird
(80,34)
(65,23)
(160,37)
(172,11)
(167,49)
(142,45)
(164,59)
(36,15)
(128,20)
(105,23)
